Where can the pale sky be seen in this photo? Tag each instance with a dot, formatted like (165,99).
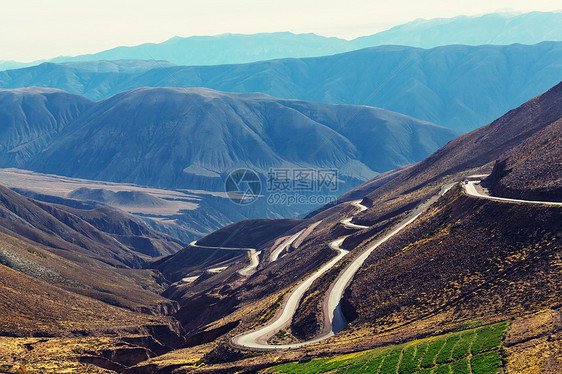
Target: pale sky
(39,29)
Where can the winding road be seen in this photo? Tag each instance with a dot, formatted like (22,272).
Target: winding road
(286,244)
(258,338)
(347,221)
(474,189)
(246,271)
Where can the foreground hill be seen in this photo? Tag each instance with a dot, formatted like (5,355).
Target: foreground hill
(531,171)
(459,87)
(95,252)
(75,273)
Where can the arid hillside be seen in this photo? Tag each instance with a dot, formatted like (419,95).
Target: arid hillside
(532,170)
(71,277)
(472,153)
(463,262)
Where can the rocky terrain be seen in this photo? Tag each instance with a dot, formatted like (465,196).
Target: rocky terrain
(532,170)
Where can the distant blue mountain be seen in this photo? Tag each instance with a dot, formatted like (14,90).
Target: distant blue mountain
(495,28)
(460,87)
(174,137)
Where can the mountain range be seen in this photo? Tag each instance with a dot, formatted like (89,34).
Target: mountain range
(459,87)
(171,137)
(462,263)
(190,139)
(436,247)
(494,28)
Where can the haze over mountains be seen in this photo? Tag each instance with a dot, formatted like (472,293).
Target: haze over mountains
(191,139)
(494,28)
(459,87)
(127,161)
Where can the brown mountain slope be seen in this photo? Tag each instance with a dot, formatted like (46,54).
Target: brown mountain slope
(466,258)
(471,153)
(249,233)
(59,227)
(32,307)
(532,170)
(128,231)
(55,245)
(134,289)
(61,277)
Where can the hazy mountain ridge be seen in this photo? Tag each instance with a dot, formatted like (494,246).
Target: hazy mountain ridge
(460,87)
(494,28)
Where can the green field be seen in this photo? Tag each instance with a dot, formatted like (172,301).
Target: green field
(474,350)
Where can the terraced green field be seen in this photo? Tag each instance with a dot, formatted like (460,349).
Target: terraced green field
(474,351)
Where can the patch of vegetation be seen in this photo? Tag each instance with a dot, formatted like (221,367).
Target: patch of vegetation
(433,350)
(390,363)
(463,346)
(461,366)
(445,354)
(488,337)
(409,363)
(446,351)
(443,369)
(486,363)
(36,253)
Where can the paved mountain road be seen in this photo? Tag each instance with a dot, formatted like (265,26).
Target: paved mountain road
(258,338)
(253,254)
(474,189)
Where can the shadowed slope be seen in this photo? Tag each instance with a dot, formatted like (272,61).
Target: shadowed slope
(31,118)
